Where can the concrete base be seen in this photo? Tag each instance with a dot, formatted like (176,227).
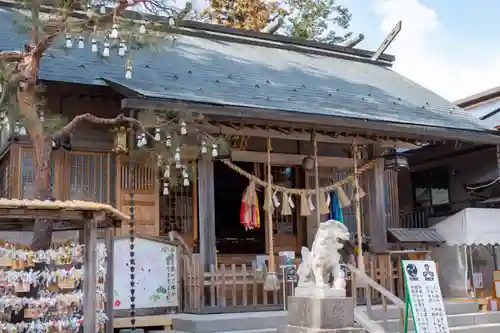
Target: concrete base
(320,315)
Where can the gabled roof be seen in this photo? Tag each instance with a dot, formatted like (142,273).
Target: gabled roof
(244,71)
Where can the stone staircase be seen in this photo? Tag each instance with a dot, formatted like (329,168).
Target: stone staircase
(463,317)
(247,322)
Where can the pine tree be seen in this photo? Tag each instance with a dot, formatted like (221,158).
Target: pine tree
(105,29)
(317,20)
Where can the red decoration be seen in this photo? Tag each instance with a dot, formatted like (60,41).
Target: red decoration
(117,302)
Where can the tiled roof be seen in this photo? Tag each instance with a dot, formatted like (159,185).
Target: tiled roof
(208,69)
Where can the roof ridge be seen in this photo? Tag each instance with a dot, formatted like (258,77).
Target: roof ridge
(215,31)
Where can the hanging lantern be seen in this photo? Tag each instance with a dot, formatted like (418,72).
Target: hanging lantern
(165,188)
(120,140)
(102,9)
(395,161)
(214,150)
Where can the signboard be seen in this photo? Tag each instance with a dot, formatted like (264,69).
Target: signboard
(156,274)
(424,298)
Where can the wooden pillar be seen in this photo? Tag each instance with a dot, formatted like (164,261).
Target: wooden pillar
(206,212)
(109,243)
(89,279)
(378,197)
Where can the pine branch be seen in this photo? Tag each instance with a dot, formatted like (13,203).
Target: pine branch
(120,119)
(11,56)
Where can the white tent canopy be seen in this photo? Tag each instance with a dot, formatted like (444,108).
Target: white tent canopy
(471,226)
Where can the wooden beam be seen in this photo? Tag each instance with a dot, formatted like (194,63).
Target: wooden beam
(318,121)
(89,312)
(289,159)
(143,321)
(110,244)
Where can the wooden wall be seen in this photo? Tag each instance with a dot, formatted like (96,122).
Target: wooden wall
(90,171)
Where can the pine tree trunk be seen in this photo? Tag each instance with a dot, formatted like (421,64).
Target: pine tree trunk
(42,228)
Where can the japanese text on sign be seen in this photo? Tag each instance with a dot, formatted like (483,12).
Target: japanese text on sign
(424,296)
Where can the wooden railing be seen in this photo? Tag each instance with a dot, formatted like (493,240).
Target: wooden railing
(416,219)
(231,287)
(361,281)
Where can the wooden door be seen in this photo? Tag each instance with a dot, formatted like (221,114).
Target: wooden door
(142,182)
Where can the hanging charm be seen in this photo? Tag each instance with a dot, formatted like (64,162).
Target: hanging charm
(304,206)
(168,141)
(310,204)
(343,199)
(323,206)
(276,201)
(157,134)
(81,42)
(142,28)
(268,202)
(204,147)
(128,70)
(95,49)
(183,128)
(114,31)
(285,205)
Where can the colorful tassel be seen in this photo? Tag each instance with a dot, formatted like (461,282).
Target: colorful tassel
(304,207)
(286,210)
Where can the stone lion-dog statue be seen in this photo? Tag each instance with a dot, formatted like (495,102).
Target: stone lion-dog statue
(323,261)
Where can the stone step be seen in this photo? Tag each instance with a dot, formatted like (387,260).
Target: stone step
(485,328)
(451,308)
(456,320)
(229,322)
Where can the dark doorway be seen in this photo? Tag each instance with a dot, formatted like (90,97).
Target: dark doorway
(231,236)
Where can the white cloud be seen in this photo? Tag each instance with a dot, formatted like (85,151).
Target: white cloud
(421,57)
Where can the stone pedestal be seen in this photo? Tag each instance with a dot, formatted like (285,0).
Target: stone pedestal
(308,314)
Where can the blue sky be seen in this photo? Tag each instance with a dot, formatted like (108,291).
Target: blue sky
(450,47)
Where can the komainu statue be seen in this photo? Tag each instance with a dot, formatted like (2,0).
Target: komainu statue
(322,263)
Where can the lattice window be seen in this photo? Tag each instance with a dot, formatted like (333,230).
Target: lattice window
(5,174)
(28,174)
(88,177)
(176,210)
